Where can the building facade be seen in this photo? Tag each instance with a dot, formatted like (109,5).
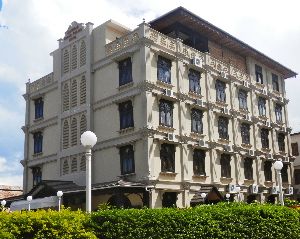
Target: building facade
(295,141)
(179,107)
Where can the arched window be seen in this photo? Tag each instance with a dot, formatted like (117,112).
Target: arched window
(82,53)
(74,93)
(74,132)
(66,97)
(66,61)
(74,164)
(83,90)
(74,57)
(65,134)
(83,124)
(65,168)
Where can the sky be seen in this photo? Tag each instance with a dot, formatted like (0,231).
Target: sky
(29,30)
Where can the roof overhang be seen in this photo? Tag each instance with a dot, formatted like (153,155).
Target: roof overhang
(219,36)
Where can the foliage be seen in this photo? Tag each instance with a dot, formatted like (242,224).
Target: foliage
(289,202)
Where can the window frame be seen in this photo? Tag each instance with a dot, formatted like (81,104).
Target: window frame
(220,87)
(199,162)
(164,66)
(243,95)
(278,113)
(275,82)
(268,171)
(39,108)
(281,142)
(36,175)
(223,123)
(264,135)
(245,133)
(295,149)
(284,173)
(167,157)
(126,115)
(258,73)
(225,160)
(194,81)
(127,164)
(125,71)
(248,168)
(262,106)
(166,113)
(37,142)
(196,121)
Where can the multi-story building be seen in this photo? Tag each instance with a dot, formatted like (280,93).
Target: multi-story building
(179,106)
(295,141)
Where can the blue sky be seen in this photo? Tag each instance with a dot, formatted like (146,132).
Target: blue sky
(32,28)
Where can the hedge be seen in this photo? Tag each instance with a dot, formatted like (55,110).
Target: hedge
(224,220)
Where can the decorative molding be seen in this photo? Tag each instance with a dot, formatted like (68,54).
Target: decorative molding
(43,124)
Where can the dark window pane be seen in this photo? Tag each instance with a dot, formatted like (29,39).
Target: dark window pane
(39,108)
(127,159)
(167,157)
(223,128)
(262,106)
(243,100)
(220,91)
(264,134)
(248,168)
(197,125)
(245,132)
(199,162)
(36,175)
(268,170)
(166,113)
(281,142)
(225,166)
(275,82)
(125,71)
(258,74)
(38,142)
(278,112)
(284,173)
(194,81)
(164,70)
(295,150)
(297,176)
(126,115)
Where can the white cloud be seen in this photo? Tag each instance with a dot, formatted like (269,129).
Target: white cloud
(11,180)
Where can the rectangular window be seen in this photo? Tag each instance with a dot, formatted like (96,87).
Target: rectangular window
(197,125)
(243,100)
(258,74)
(38,142)
(278,112)
(223,128)
(167,157)
(297,176)
(194,81)
(220,91)
(264,134)
(164,70)
(245,132)
(295,151)
(125,71)
(284,173)
(126,114)
(248,168)
(281,143)
(39,108)
(275,82)
(166,113)
(36,175)
(199,162)
(225,166)
(262,106)
(127,159)
(268,170)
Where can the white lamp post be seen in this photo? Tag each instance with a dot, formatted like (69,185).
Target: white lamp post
(227,197)
(59,195)
(3,203)
(29,199)
(88,140)
(238,190)
(278,165)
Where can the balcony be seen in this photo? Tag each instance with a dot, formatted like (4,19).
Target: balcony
(41,83)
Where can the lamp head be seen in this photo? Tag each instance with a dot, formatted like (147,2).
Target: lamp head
(3,202)
(59,193)
(278,165)
(227,195)
(203,195)
(88,139)
(238,189)
(29,198)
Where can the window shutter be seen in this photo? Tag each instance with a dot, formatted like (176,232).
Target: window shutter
(82,163)
(83,124)
(65,169)
(65,134)
(74,164)
(66,61)
(82,53)
(74,93)
(66,97)
(74,57)
(74,132)
(83,90)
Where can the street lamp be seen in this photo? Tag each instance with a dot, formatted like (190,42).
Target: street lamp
(278,165)
(3,203)
(238,190)
(227,197)
(88,140)
(59,195)
(29,199)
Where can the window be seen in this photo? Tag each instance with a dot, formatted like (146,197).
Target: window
(74,164)
(126,114)
(223,128)
(245,132)
(268,170)
(65,134)
(243,100)
(169,199)
(82,90)
(262,106)
(197,125)
(220,91)
(83,124)
(66,97)
(248,168)
(82,163)
(264,134)
(167,157)
(39,108)
(164,70)
(74,137)
(127,159)
(36,175)
(295,151)
(297,176)
(225,166)
(125,71)
(284,173)
(199,162)
(74,93)
(82,53)
(66,61)
(38,142)
(65,166)
(258,74)
(278,112)
(74,57)
(281,143)
(166,113)
(275,82)
(194,81)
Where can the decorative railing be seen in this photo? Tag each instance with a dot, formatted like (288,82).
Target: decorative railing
(41,83)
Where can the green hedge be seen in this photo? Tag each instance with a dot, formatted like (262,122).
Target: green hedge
(217,221)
